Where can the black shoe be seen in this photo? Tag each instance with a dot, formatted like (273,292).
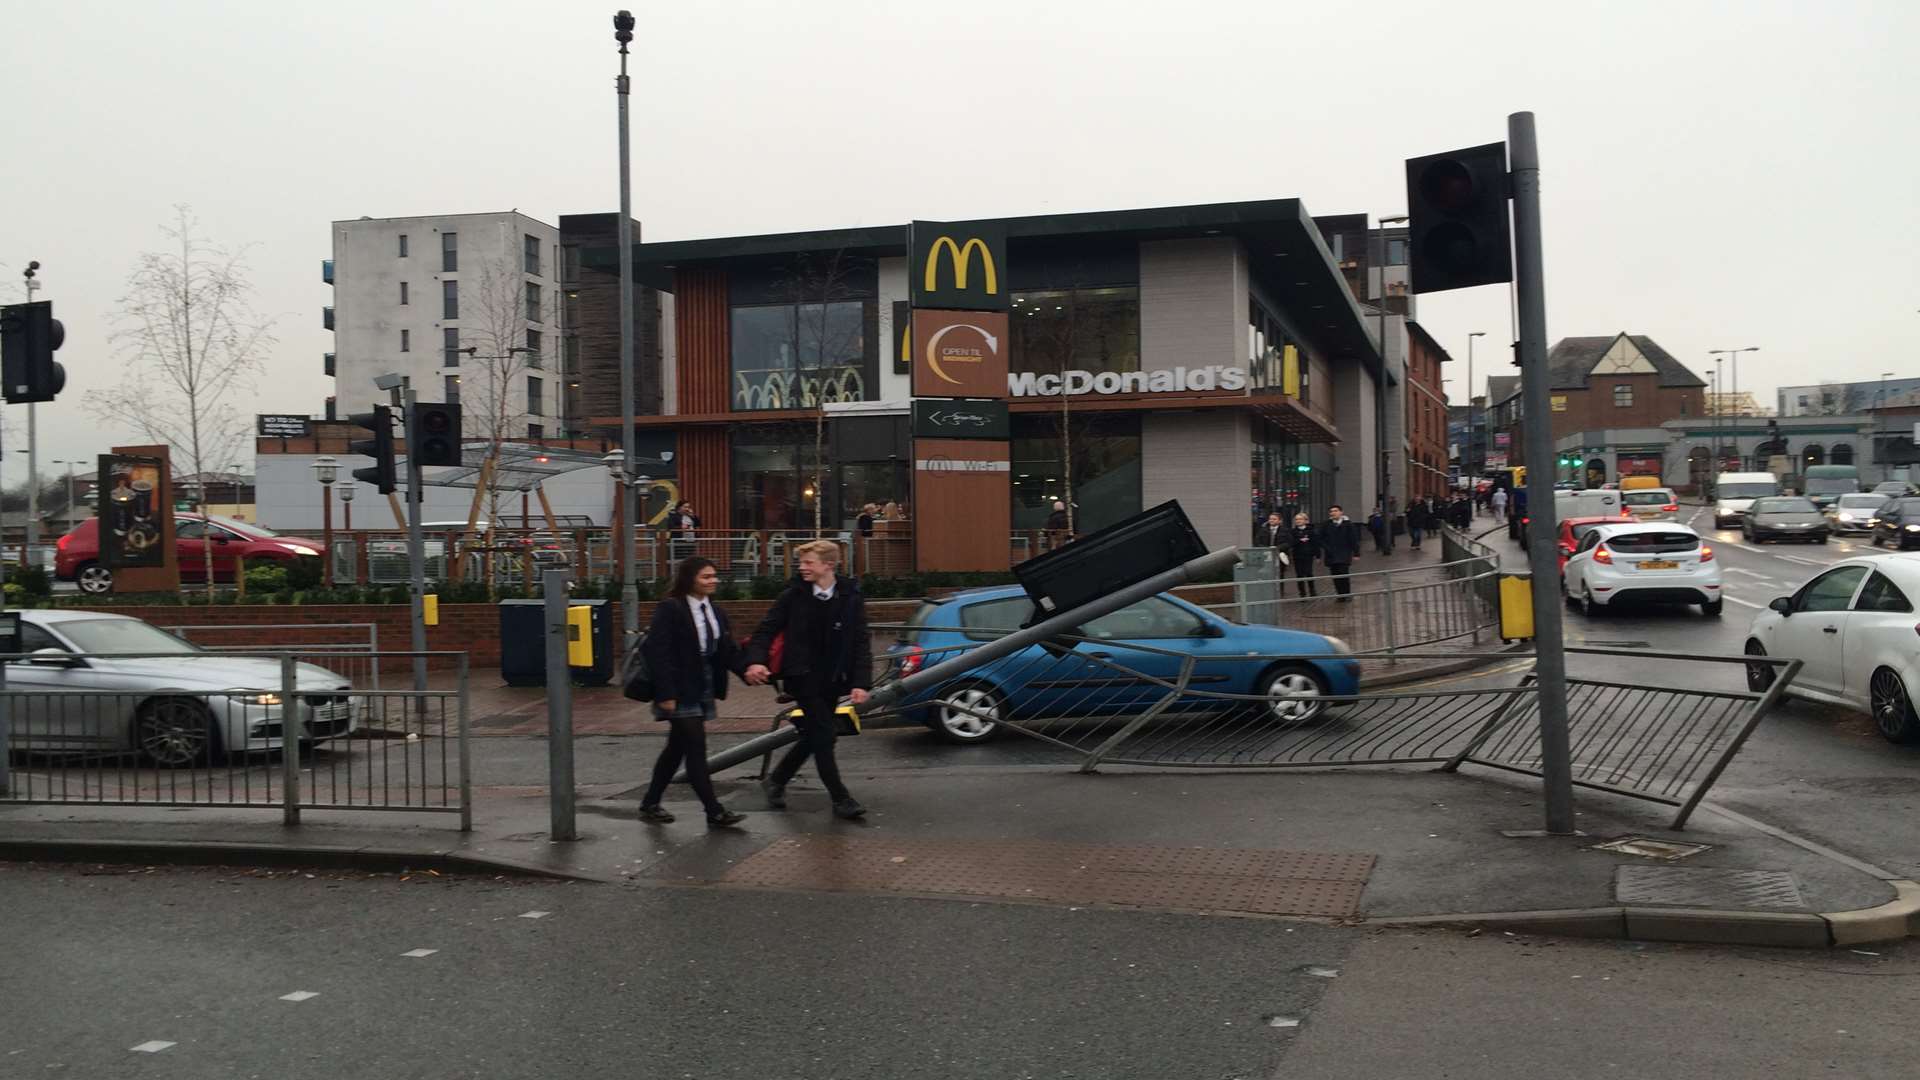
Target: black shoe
(725,819)
(776,794)
(849,809)
(655,815)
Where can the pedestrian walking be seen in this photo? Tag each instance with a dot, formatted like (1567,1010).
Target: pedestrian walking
(1303,547)
(1377,525)
(822,620)
(1497,502)
(1059,529)
(1418,519)
(1272,533)
(682,530)
(1340,545)
(689,652)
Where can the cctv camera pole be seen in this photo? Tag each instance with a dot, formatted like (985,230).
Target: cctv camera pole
(1550,664)
(623,529)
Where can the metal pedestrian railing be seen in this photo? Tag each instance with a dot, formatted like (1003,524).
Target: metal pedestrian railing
(1130,703)
(241,730)
(352,649)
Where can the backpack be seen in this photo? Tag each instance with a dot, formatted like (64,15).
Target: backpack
(639,680)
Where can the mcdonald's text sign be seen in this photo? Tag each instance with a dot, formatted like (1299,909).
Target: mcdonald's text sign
(958,266)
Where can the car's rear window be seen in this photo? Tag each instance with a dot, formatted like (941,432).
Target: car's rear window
(1784,506)
(1645,542)
(1647,497)
(1909,507)
(981,619)
(1580,531)
(1851,501)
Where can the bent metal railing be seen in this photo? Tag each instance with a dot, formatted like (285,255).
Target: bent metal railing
(1129,703)
(72,730)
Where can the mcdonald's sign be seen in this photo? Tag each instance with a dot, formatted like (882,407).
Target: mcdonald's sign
(958,266)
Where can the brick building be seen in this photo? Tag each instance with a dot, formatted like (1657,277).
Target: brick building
(1426,398)
(1623,381)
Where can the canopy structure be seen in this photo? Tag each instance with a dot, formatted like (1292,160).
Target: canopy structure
(521,466)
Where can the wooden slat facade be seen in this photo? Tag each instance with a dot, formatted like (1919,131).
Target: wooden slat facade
(700,327)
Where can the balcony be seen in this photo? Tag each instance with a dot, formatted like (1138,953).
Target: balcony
(326,318)
(326,271)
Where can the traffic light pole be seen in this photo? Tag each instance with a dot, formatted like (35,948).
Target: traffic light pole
(403,401)
(1550,659)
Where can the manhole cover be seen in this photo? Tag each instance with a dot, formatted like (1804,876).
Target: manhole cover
(1698,886)
(1653,849)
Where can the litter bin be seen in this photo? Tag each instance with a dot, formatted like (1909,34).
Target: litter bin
(523,644)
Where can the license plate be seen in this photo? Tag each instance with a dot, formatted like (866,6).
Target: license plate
(1659,564)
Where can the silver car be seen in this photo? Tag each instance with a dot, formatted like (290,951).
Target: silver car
(182,708)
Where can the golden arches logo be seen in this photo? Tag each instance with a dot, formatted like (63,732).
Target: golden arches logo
(961,256)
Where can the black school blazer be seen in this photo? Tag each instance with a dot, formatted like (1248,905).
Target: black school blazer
(672,649)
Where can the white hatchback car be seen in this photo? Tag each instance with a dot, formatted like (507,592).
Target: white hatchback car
(1855,629)
(1653,562)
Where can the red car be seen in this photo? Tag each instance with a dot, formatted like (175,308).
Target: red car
(1573,530)
(78,558)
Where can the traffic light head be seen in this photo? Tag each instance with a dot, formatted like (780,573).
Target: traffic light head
(29,334)
(380,448)
(433,434)
(1457,233)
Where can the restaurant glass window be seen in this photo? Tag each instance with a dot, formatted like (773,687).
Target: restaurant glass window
(798,356)
(1289,476)
(774,473)
(1083,329)
(1105,474)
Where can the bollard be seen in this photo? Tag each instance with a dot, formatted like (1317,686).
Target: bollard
(560,793)
(1392,638)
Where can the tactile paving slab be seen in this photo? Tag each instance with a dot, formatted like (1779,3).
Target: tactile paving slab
(1699,886)
(1193,879)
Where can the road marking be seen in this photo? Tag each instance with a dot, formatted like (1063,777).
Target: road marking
(418,953)
(1749,573)
(535,914)
(152,1047)
(1743,603)
(299,995)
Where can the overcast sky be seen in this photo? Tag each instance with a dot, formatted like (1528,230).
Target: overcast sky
(1715,175)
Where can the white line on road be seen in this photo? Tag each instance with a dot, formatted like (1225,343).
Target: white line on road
(153,1047)
(299,995)
(419,953)
(1749,573)
(1742,603)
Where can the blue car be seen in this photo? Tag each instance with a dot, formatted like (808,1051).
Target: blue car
(1074,679)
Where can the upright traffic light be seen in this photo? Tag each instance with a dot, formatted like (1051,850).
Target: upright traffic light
(1458,235)
(433,433)
(29,334)
(379,448)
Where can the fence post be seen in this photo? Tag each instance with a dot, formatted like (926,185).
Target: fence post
(289,741)
(466,752)
(559,712)
(6,725)
(1392,638)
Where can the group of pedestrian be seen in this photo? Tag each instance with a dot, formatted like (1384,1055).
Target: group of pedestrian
(1298,546)
(815,635)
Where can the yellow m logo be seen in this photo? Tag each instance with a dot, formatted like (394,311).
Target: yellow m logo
(960,255)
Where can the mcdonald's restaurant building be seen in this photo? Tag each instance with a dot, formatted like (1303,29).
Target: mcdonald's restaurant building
(975,372)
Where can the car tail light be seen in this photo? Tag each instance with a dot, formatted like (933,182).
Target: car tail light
(61,544)
(1671,507)
(1602,555)
(911,663)
(1706,553)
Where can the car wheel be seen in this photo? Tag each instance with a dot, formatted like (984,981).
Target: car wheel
(94,579)
(1759,676)
(1587,606)
(1712,608)
(1294,693)
(1892,708)
(969,713)
(175,732)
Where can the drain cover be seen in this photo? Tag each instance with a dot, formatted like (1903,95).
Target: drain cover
(1669,850)
(1698,886)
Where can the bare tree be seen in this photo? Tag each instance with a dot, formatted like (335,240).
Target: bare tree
(825,340)
(190,338)
(499,326)
(1061,338)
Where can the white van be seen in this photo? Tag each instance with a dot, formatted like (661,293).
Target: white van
(1734,492)
(1589,502)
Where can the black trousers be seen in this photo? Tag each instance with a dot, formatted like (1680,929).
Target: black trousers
(1303,572)
(686,742)
(1341,583)
(816,724)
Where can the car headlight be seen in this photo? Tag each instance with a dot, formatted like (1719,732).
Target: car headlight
(1913,528)
(1339,644)
(1846,517)
(257,699)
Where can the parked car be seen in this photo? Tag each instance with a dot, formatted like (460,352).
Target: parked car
(184,708)
(1651,504)
(1855,513)
(1575,529)
(1664,562)
(966,709)
(1893,488)
(1898,523)
(1853,628)
(78,557)
(1784,517)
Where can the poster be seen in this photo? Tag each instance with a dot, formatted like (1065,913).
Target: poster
(130,516)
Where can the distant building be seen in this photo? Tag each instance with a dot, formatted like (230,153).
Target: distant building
(1742,403)
(1842,398)
(1617,382)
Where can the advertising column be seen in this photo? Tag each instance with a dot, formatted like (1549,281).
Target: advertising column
(962,467)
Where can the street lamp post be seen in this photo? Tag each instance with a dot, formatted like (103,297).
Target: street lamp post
(1474,465)
(326,469)
(1380,418)
(624,529)
(1734,429)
